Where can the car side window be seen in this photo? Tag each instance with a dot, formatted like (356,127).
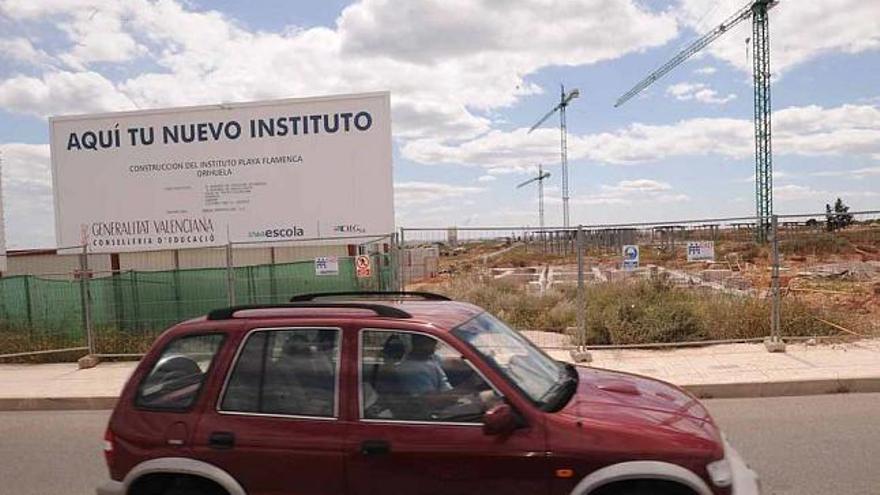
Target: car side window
(288,372)
(409,376)
(176,378)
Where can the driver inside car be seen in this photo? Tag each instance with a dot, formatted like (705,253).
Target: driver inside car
(420,371)
(432,396)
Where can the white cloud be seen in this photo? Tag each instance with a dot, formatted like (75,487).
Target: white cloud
(22,50)
(522,32)
(699,92)
(96,28)
(99,36)
(61,93)
(638,185)
(859,173)
(409,194)
(706,71)
(436,66)
(27,195)
(804,131)
(800,31)
(628,192)
(795,192)
(777,174)
(487,178)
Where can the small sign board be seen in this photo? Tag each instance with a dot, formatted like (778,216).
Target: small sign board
(326,265)
(630,257)
(701,251)
(363,266)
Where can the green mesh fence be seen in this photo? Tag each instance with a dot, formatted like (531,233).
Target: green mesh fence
(129,309)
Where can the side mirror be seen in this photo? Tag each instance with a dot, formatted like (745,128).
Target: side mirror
(500,420)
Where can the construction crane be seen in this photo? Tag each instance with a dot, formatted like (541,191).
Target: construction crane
(542,176)
(564,100)
(757,10)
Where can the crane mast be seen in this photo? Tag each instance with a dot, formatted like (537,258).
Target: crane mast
(564,101)
(540,178)
(763,144)
(757,10)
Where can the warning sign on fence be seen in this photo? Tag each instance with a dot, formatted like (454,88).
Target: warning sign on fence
(630,257)
(364,267)
(326,265)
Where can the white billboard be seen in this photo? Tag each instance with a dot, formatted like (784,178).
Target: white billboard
(200,176)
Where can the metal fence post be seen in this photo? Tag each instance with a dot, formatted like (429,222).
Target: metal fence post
(774,343)
(230,275)
(580,354)
(85,298)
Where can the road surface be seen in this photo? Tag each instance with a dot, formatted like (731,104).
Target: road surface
(800,445)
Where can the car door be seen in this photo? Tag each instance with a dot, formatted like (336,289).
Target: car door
(275,427)
(407,441)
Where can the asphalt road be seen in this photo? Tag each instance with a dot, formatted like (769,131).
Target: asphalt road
(800,445)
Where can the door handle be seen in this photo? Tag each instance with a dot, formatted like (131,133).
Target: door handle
(375,447)
(222,440)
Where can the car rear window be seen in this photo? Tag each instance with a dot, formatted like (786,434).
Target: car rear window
(289,372)
(178,375)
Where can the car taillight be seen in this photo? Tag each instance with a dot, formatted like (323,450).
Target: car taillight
(109,445)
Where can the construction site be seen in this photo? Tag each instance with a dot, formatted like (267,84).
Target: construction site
(829,281)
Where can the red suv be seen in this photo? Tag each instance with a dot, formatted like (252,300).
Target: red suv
(398,393)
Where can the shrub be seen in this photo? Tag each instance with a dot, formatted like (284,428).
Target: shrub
(643,311)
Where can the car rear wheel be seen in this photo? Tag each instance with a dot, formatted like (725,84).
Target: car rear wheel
(206,490)
(175,484)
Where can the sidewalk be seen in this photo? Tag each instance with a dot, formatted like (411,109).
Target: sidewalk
(61,386)
(734,370)
(748,370)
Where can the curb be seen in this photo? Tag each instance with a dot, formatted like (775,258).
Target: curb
(823,386)
(747,390)
(57,403)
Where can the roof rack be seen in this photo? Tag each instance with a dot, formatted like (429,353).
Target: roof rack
(379,309)
(427,296)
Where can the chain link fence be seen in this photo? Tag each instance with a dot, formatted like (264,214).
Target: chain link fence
(115,305)
(692,282)
(667,283)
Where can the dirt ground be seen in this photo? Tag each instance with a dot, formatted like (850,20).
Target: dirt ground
(846,279)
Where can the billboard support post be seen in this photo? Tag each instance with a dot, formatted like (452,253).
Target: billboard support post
(89,361)
(230,275)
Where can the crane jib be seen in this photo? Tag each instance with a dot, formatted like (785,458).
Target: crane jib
(697,45)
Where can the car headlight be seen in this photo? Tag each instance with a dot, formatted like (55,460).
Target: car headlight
(720,473)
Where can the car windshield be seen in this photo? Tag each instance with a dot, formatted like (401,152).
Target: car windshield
(526,366)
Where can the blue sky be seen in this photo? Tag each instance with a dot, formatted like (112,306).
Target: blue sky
(467,79)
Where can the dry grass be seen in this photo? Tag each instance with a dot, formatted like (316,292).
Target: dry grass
(107,340)
(642,311)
